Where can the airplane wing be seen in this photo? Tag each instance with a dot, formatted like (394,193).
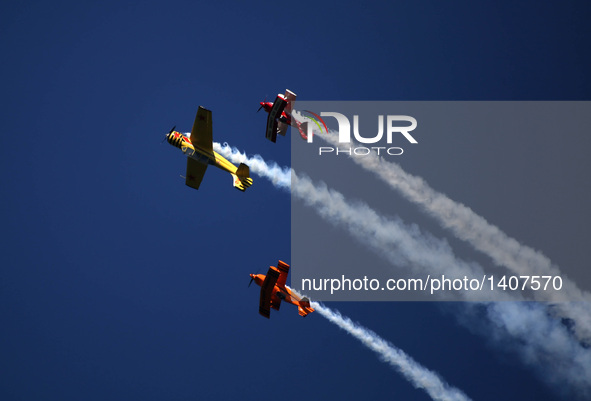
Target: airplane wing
(271,133)
(201,134)
(274,114)
(283,271)
(267,292)
(290,97)
(195,172)
(281,128)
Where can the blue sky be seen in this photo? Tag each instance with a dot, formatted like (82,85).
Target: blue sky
(118,281)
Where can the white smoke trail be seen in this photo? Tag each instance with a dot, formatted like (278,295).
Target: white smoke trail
(545,343)
(487,238)
(417,375)
(279,176)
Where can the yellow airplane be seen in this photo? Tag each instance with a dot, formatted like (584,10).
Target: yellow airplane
(198,147)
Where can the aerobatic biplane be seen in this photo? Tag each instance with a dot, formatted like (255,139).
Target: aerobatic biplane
(274,290)
(280,116)
(198,147)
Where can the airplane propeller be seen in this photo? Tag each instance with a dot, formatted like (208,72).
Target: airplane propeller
(252,278)
(169,132)
(264,101)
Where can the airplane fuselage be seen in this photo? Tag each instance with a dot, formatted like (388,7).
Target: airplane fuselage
(284,118)
(283,294)
(184,144)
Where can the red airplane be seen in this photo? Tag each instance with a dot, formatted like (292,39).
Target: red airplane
(274,290)
(280,116)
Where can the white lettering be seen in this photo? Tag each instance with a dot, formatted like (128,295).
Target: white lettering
(344,126)
(376,138)
(402,130)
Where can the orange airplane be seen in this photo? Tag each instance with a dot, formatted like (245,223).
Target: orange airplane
(273,291)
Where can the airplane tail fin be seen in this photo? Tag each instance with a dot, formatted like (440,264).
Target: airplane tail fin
(303,128)
(242,178)
(243,171)
(304,307)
